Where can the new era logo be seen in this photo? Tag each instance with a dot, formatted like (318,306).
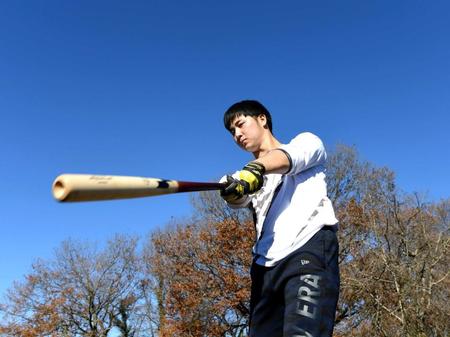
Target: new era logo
(303,262)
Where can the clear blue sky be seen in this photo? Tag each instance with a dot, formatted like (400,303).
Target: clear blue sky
(139,88)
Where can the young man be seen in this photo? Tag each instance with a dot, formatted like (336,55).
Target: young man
(295,275)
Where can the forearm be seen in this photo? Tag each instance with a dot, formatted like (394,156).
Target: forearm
(275,161)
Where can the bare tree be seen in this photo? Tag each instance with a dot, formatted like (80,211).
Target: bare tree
(394,254)
(82,292)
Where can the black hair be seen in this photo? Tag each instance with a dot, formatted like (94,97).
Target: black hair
(246,108)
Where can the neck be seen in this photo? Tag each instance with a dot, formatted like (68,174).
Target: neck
(270,143)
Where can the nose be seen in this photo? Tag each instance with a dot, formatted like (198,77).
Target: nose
(237,134)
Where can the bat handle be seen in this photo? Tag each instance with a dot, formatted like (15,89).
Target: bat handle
(186,186)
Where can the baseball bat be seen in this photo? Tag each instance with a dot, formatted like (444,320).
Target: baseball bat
(88,187)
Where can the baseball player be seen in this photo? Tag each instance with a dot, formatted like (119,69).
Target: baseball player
(295,273)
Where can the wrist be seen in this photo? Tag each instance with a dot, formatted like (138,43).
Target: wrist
(253,174)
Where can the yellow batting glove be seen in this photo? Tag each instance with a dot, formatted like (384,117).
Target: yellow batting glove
(252,177)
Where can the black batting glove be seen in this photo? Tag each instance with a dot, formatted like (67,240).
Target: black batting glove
(250,180)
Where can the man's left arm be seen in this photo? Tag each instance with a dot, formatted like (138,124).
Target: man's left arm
(303,152)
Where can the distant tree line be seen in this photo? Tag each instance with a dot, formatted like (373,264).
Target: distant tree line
(192,277)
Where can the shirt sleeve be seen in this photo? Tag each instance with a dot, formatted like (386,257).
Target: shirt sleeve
(304,151)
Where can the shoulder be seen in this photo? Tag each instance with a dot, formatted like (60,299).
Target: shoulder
(305,137)
(304,141)
(304,151)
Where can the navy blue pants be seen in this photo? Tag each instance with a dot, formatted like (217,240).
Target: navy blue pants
(298,296)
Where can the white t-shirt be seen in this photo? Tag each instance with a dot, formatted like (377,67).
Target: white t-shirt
(290,208)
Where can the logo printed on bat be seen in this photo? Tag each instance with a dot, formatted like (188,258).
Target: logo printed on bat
(101,180)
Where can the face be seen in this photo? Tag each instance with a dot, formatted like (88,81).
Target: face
(248,132)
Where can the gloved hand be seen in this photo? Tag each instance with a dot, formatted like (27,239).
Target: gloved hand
(250,180)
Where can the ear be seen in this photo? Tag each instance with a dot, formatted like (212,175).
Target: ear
(263,121)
